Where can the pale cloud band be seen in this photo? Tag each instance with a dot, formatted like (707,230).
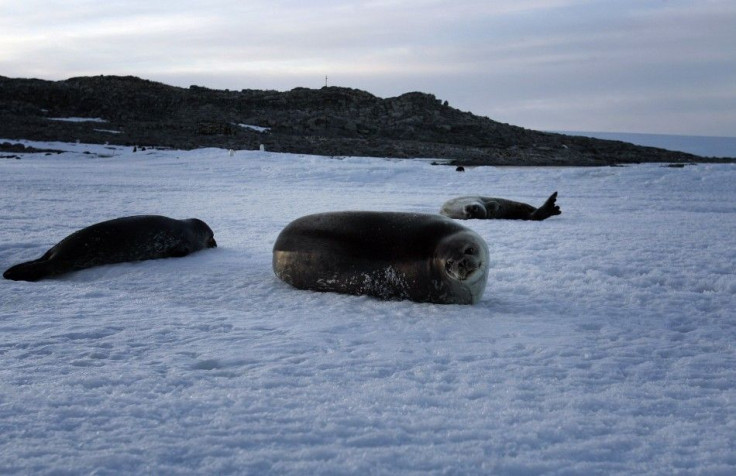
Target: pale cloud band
(660,66)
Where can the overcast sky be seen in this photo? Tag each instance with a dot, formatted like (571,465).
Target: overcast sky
(651,66)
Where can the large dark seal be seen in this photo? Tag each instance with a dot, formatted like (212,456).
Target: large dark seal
(424,258)
(466,208)
(133,238)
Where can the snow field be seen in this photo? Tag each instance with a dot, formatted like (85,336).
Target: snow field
(604,342)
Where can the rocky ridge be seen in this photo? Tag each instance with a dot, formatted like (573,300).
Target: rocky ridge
(330,121)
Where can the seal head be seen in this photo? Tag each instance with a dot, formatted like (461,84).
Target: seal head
(463,258)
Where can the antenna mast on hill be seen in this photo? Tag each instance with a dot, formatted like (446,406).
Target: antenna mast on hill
(325,81)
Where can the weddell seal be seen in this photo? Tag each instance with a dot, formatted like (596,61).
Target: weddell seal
(133,238)
(465,208)
(420,257)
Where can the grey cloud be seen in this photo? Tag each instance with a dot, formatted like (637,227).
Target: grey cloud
(660,66)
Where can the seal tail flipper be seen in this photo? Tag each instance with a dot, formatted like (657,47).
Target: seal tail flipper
(28,271)
(548,209)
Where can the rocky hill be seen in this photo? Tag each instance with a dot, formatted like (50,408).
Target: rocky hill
(329,121)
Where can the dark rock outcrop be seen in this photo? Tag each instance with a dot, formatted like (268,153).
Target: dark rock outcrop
(328,121)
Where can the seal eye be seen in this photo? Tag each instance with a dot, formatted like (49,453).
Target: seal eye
(470,251)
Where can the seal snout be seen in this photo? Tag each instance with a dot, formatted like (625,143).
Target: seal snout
(474,210)
(211,243)
(463,268)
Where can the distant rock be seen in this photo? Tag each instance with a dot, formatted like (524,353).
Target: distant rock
(330,121)
(21,148)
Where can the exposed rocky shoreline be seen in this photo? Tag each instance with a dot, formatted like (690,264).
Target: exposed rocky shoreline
(330,121)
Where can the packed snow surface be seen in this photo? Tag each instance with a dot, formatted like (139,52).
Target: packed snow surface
(605,341)
(77,119)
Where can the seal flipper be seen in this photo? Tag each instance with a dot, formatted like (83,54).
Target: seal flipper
(180,250)
(547,210)
(29,271)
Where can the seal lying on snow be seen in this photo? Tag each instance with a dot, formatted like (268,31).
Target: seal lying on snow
(465,208)
(421,257)
(132,238)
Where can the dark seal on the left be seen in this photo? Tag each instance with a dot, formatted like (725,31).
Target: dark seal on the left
(133,238)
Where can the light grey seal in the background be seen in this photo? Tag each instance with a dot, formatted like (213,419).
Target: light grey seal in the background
(465,208)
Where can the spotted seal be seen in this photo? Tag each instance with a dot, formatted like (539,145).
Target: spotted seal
(418,257)
(465,208)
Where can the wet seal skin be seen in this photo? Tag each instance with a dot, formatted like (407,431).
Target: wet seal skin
(466,208)
(133,238)
(388,255)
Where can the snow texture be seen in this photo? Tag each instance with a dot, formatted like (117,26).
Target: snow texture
(255,128)
(77,119)
(605,342)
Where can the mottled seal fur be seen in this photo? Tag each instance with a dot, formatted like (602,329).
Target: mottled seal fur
(419,257)
(465,208)
(133,238)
